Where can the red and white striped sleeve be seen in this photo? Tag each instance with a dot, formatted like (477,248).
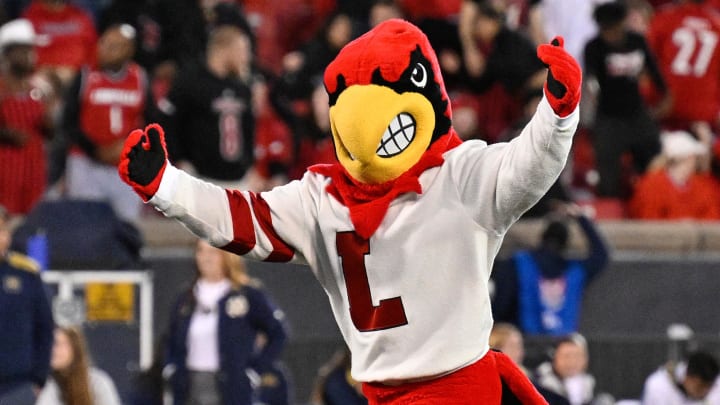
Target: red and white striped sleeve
(241,222)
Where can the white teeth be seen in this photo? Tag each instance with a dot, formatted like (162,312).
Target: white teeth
(352,157)
(397,136)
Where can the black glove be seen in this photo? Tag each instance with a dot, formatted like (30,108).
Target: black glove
(143,160)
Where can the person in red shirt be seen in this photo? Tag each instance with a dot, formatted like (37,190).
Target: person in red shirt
(25,120)
(685,38)
(418,10)
(104,103)
(68,34)
(678,190)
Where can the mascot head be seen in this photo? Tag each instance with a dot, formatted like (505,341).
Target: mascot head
(390,119)
(388,105)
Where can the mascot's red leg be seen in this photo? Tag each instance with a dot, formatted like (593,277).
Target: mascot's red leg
(479,383)
(516,380)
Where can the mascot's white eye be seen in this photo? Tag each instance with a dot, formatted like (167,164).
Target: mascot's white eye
(419,76)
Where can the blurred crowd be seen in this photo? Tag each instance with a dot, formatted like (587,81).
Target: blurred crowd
(238,87)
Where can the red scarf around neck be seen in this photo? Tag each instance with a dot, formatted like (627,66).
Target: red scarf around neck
(368,203)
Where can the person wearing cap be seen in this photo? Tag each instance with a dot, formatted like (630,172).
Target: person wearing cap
(678,189)
(26,323)
(26,103)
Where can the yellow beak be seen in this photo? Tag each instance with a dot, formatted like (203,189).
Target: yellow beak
(378,133)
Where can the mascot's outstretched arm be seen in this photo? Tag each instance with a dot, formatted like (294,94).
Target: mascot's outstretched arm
(499,182)
(237,221)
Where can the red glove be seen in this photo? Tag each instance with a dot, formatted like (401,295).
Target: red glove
(562,87)
(143,160)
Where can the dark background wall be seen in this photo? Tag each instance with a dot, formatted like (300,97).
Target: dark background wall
(625,316)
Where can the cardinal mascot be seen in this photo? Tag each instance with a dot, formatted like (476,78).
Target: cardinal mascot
(402,230)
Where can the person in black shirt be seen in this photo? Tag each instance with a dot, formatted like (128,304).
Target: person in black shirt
(615,60)
(495,53)
(501,65)
(209,112)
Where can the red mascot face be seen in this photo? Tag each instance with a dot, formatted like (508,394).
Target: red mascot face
(388,103)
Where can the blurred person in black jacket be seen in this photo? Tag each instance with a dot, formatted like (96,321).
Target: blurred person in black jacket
(26,323)
(615,61)
(335,385)
(209,112)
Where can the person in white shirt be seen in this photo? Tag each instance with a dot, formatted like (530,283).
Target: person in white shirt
(567,375)
(74,381)
(694,382)
(213,350)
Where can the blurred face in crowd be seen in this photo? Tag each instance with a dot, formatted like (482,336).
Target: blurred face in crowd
(240,55)
(696,388)
(21,59)
(486,28)
(614,34)
(683,168)
(115,47)
(570,359)
(513,347)
(62,351)
(321,108)
(340,31)
(209,261)
(465,122)
(4,236)
(382,12)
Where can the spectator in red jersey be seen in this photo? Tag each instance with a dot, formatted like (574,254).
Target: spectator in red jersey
(677,189)
(25,120)
(686,40)
(418,10)
(103,105)
(69,34)
(282,26)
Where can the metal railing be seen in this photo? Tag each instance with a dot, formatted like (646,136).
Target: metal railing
(67,281)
